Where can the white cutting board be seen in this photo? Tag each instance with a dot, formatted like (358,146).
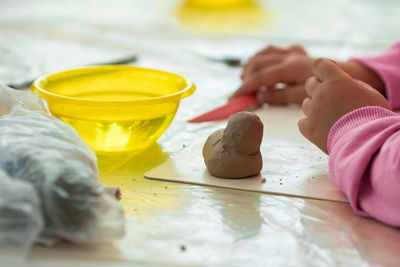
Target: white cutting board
(292,165)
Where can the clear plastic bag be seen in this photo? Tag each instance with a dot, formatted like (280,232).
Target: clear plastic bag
(9,97)
(20,216)
(48,154)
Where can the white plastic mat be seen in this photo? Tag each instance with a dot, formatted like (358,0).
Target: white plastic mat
(292,166)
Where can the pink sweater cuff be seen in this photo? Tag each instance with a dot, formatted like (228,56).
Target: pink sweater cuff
(354,119)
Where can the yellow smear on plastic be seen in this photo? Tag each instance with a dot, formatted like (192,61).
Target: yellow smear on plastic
(139,194)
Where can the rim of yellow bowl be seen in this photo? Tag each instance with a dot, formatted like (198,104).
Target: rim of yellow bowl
(185,92)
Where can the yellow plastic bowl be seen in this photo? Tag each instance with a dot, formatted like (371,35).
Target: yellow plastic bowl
(115,108)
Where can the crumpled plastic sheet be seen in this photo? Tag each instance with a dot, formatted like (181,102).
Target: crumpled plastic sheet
(20,215)
(56,173)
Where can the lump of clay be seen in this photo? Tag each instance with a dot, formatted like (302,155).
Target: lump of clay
(234,152)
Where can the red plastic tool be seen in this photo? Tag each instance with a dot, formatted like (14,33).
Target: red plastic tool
(233,106)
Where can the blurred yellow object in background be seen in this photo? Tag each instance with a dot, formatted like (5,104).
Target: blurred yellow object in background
(219,4)
(221,16)
(115,108)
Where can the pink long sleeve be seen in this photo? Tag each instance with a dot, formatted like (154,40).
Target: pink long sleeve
(387,66)
(364,163)
(364,148)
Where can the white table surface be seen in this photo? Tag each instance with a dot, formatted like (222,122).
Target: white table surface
(217,227)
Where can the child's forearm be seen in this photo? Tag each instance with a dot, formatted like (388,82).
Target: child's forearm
(364,148)
(387,67)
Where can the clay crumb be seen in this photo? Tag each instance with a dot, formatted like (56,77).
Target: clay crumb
(183,248)
(263,180)
(118,194)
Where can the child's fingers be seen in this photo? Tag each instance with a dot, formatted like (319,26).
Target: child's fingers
(269,51)
(291,94)
(297,48)
(307,106)
(307,129)
(272,49)
(324,69)
(311,85)
(303,125)
(261,62)
(267,77)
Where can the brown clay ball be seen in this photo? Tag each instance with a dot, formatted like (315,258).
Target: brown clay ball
(234,152)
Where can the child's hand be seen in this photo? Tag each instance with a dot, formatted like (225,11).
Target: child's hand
(269,56)
(333,93)
(290,66)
